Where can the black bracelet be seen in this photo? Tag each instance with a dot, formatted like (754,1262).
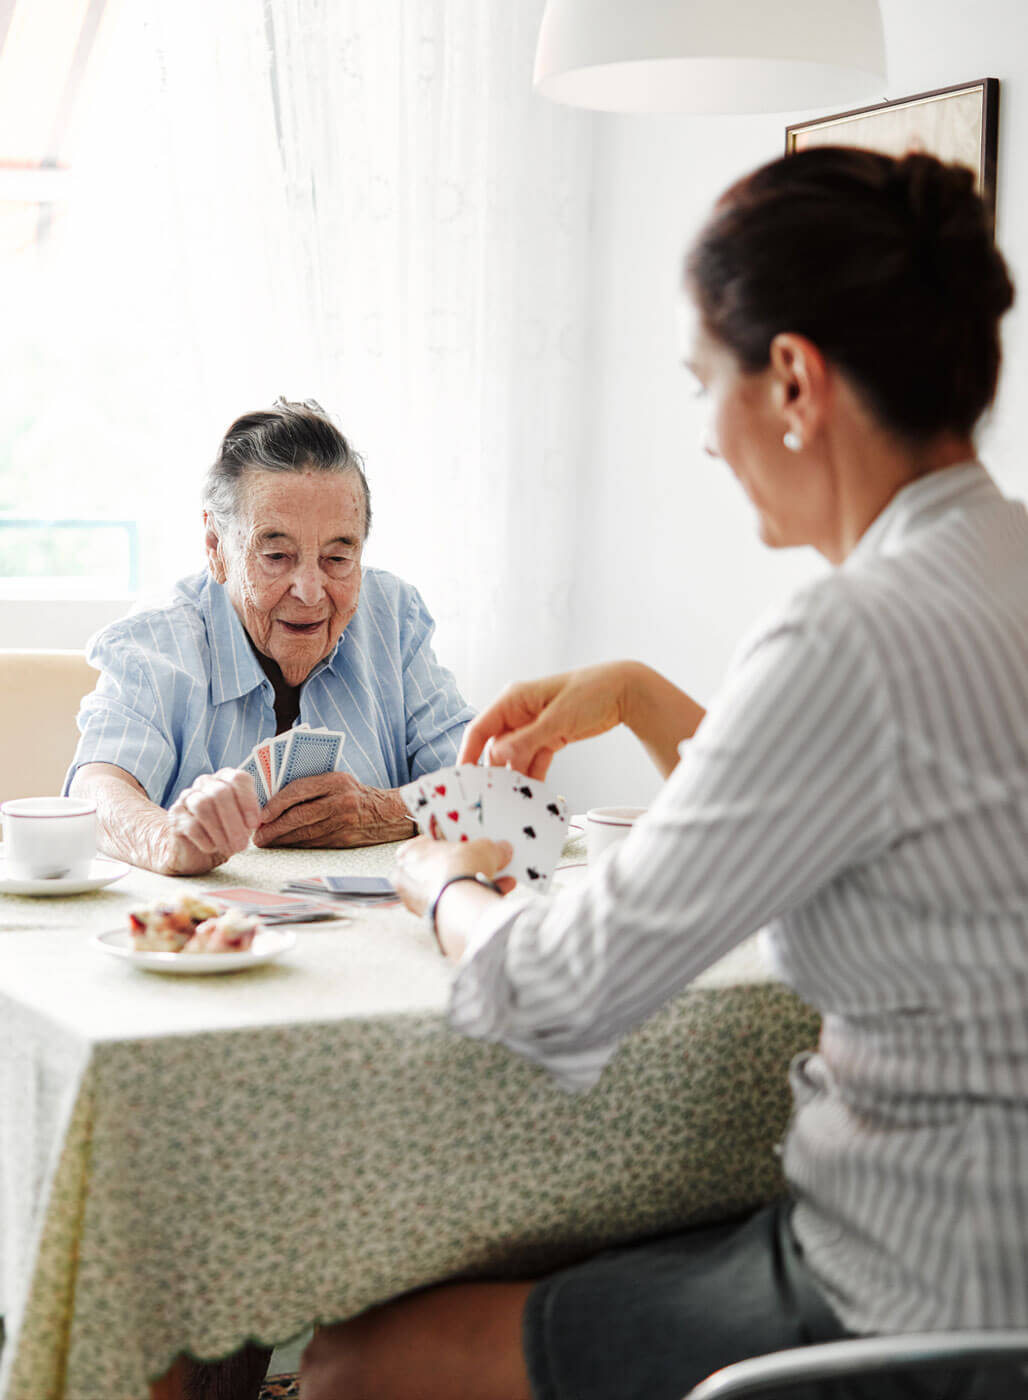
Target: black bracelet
(431,909)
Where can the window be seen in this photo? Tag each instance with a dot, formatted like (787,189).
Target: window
(99,477)
(68,558)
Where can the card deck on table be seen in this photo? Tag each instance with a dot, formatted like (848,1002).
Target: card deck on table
(472,800)
(244,895)
(358,884)
(273,908)
(300,752)
(369,890)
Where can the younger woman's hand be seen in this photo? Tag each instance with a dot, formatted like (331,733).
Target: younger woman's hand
(533,720)
(423,864)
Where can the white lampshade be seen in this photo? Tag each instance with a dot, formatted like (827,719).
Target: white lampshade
(710,55)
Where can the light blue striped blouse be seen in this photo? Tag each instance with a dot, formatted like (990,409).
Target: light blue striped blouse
(181,692)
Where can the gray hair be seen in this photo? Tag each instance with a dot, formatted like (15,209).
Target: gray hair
(288,437)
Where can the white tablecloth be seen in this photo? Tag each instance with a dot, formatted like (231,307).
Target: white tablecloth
(188,1162)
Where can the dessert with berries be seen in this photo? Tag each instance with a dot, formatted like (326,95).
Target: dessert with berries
(231,932)
(167,928)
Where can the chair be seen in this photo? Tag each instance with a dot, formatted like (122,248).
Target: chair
(40,692)
(864,1357)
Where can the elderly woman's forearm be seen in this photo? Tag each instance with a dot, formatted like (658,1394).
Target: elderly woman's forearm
(659,714)
(129,826)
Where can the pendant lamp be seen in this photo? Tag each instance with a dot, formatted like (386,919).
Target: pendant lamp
(710,55)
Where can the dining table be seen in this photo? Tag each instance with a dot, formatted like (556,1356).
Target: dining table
(191,1162)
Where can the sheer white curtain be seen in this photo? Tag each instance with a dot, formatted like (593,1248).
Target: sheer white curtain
(371,207)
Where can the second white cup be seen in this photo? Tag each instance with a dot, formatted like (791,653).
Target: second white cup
(49,838)
(605,826)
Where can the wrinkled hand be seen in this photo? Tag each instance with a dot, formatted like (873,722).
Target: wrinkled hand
(209,822)
(533,720)
(332,809)
(423,865)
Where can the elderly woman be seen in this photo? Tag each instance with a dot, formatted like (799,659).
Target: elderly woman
(859,788)
(284,626)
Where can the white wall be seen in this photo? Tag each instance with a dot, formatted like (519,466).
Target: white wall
(669,568)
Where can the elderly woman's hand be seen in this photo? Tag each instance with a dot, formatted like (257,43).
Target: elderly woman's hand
(423,865)
(332,809)
(209,822)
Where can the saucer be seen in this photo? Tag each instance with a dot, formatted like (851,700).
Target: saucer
(269,943)
(103,871)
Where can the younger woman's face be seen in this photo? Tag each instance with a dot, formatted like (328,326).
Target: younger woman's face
(745,427)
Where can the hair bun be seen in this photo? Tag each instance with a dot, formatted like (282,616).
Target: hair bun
(949,229)
(931,191)
(889,266)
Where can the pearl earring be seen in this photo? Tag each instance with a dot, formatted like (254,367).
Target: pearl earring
(793,442)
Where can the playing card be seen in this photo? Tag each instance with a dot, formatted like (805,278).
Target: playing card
(308,754)
(253,767)
(360,891)
(273,908)
(306,912)
(358,884)
(441,795)
(279,748)
(458,818)
(522,811)
(473,781)
(248,898)
(477,800)
(417,800)
(263,755)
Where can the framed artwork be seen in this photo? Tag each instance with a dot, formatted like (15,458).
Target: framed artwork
(958,123)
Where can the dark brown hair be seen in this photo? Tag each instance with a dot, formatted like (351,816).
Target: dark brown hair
(288,437)
(888,266)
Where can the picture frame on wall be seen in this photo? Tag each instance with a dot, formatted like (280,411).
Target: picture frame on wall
(959,123)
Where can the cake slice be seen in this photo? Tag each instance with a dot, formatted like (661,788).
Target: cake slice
(167,928)
(231,932)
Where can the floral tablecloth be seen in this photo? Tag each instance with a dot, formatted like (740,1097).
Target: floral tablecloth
(188,1162)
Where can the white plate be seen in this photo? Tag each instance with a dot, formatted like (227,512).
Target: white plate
(576,826)
(103,871)
(267,944)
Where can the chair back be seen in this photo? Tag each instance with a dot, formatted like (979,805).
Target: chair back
(40,693)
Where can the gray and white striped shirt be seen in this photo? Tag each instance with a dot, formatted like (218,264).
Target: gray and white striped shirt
(860,788)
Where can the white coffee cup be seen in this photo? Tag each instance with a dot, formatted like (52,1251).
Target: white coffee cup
(605,826)
(49,838)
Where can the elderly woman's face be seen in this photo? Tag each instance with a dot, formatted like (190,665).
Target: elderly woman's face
(291,562)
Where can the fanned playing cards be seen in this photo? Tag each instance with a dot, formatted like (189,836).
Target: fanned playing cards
(472,800)
(300,752)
